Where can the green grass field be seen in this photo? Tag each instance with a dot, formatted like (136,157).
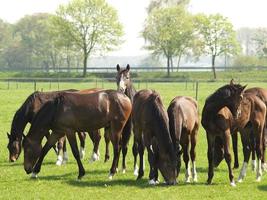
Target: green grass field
(61,182)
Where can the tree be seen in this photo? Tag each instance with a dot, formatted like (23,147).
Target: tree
(92,26)
(169,32)
(165,3)
(218,37)
(5,40)
(260,38)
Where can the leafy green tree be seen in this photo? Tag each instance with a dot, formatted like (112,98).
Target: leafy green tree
(165,3)
(5,40)
(260,38)
(218,37)
(169,32)
(91,26)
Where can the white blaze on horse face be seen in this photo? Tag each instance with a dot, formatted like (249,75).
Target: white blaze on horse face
(122,84)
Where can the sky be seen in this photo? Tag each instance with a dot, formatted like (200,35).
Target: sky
(132,13)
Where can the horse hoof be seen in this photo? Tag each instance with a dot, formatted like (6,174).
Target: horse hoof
(59,162)
(123,171)
(110,176)
(136,172)
(258,179)
(195,179)
(94,158)
(34,175)
(240,180)
(233,184)
(152,182)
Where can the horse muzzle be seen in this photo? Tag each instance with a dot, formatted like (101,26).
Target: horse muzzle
(28,170)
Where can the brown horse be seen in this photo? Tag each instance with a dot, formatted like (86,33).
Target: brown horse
(184,125)
(262,94)
(250,124)
(215,122)
(73,112)
(124,85)
(151,130)
(27,112)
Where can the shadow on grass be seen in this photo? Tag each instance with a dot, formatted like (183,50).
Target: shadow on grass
(262,188)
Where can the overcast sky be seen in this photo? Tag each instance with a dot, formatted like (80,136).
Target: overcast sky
(132,13)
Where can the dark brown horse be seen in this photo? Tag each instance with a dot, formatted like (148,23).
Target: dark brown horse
(250,124)
(151,130)
(26,113)
(184,125)
(262,94)
(124,85)
(73,112)
(215,122)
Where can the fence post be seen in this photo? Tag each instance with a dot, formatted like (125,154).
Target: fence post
(186,85)
(102,83)
(139,84)
(50,85)
(95,82)
(8,84)
(196,90)
(17,85)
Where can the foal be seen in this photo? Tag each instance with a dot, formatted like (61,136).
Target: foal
(184,124)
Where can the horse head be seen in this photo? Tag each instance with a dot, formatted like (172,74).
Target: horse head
(32,150)
(14,147)
(123,78)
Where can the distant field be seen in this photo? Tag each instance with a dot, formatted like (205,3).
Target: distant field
(61,182)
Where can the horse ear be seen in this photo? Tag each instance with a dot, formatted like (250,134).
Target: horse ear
(118,67)
(232,82)
(243,88)
(128,67)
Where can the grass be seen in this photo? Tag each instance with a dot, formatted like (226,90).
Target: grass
(61,182)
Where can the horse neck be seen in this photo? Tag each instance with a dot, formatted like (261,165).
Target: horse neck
(130,91)
(19,123)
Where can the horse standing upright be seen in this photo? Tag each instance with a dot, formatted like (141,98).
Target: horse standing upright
(184,125)
(262,94)
(124,85)
(151,130)
(216,123)
(73,112)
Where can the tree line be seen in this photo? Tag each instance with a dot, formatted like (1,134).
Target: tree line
(83,28)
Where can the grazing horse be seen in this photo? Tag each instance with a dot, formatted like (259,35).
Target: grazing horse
(72,112)
(215,122)
(124,85)
(26,113)
(262,94)
(151,130)
(184,125)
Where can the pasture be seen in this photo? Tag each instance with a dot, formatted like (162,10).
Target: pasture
(61,182)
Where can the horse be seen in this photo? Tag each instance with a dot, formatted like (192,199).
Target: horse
(74,112)
(26,113)
(124,85)
(262,94)
(215,122)
(151,130)
(184,125)
(250,124)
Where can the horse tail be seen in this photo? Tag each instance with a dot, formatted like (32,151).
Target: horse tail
(44,119)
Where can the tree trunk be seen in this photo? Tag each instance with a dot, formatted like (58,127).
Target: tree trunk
(85,64)
(68,63)
(178,62)
(171,64)
(168,66)
(213,66)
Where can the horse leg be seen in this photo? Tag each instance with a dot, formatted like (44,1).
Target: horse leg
(210,154)
(65,154)
(82,137)
(116,130)
(193,154)
(141,149)
(253,150)
(107,141)
(95,136)
(153,179)
(135,153)
(47,134)
(246,143)
(235,148)
(264,140)
(227,155)
(60,145)
(126,133)
(53,138)
(259,152)
(185,138)
(75,151)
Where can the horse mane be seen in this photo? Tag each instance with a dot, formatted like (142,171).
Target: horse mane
(46,115)
(224,92)
(22,115)
(130,91)
(162,123)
